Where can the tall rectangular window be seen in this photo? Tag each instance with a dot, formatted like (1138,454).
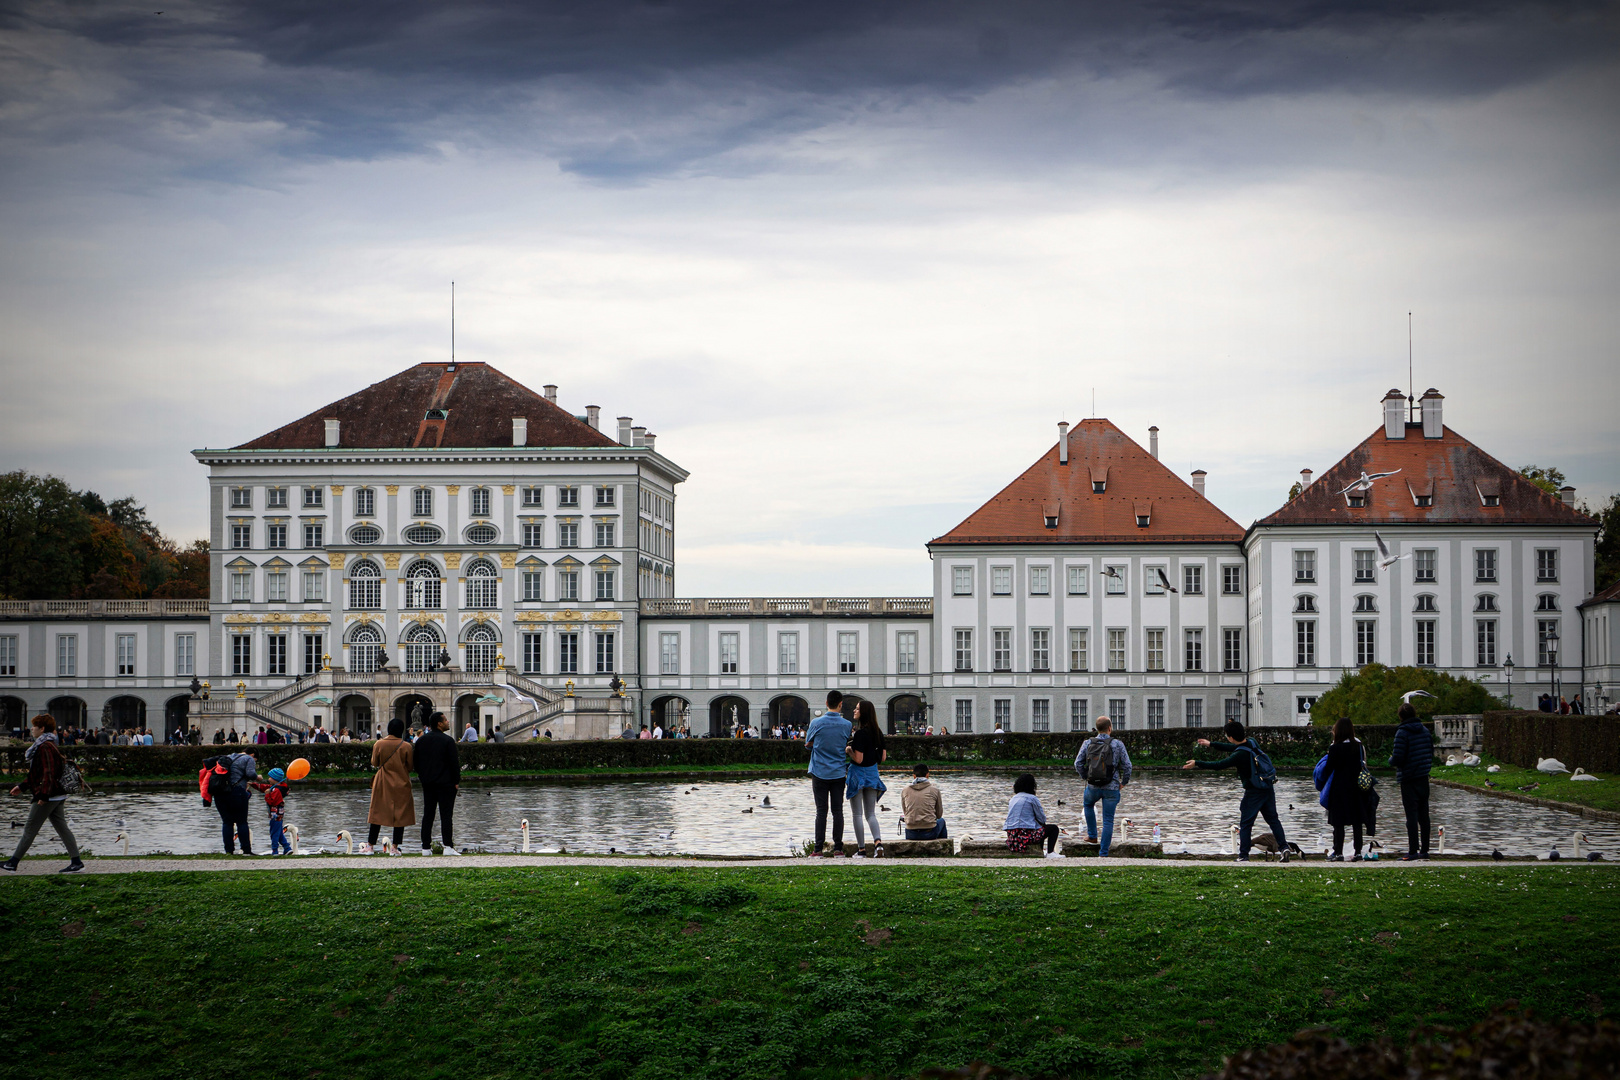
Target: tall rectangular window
(365,502)
(1002,713)
(275,537)
(314,535)
(848,653)
(534,653)
(1001,650)
(1232,581)
(422,502)
(241,498)
(1040,580)
(1192,652)
(964,650)
(534,495)
(314,585)
(1079,714)
(1193,710)
(1423,564)
(483,592)
(241,654)
(241,536)
(604,534)
(568,534)
(1040,649)
(1079,580)
(1040,715)
(905,647)
(1305,567)
(534,585)
(125,649)
(1233,709)
(1118,712)
(1484,565)
(787,653)
(1231,649)
(275,659)
(1366,642)
(568,496)
(1152,581)
(1116,650)
(314,653)
(275,586)
(1155,713)
(480,502)
(1079,649)
(729,649)
(1192,579)
(314,496)
(568,654)
(8,655)
(185,654)
(604,652)
(1001,580)
(1546,564)
(1304,642)
(1485,642)
(604,496)
(480,656)
(604,584)
(534,534)
(964,715)
(242,585)
(1155,650)
(669,654)
(1366,565)
(568,584)
(1115,577)
(275,498)
(1424,642)
(365,593)
(1546,649)
(962,581)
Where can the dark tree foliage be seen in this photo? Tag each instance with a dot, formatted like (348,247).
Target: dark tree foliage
(1372,695)
(1548,479)
(1607,553)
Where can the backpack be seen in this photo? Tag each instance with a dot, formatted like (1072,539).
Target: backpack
(1264,773)
(1100,769)
(72,779)
(215,778)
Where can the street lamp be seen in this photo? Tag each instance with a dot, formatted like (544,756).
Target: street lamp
(1260,699)
(1552,659)
(1507,666)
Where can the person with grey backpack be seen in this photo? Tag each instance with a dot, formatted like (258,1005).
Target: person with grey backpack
(1105,766)
(50,776)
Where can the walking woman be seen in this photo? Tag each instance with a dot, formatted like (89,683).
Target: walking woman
(391,801)
(863,785)
(47,795)
(1342,796)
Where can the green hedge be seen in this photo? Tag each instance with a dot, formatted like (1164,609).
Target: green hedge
(1287,746)
(1524,737)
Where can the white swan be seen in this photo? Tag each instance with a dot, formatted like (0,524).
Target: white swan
(124,836)
(1235,833)
(1582,774)
(1125,831)
(1453,760)
(1579,836)
(348,841)
(523,826)
(292,831)
(1470,759)
(1550,765)
(1493,768)
(1441,830)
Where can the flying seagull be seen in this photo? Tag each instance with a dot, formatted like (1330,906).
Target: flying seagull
(1365,481)
(1165,581)
(1385,559)
(1407,697)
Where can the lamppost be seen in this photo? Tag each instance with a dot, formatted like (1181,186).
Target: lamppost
(1552,659)
(1507,666)
(1260,699)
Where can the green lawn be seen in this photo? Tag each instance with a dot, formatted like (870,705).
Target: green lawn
(1602,794)
(825,971)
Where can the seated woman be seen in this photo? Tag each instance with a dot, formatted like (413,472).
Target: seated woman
(1026,820)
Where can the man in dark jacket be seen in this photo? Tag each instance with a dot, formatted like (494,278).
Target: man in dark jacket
(1412,757)
(438,766)
(1259,799)
(46,795)
(233,805)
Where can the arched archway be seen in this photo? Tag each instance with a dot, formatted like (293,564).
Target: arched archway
(67,710)
(725,713)
(127,712)
(905,714)
(354,713)
(404,706)
(422,644)
(790,711)
(670,712)
(176,716)
(13,716)
(466,709)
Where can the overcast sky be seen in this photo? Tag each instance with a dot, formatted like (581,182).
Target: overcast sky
(851,261)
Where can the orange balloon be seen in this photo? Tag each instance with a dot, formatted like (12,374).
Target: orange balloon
(298,769)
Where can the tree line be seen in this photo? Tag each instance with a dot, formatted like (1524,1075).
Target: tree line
(60,544)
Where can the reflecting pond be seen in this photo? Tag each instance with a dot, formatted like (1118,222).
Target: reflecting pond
(729,817)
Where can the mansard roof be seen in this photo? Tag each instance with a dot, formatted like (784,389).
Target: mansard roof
(478,405)
(1456,475)
(1135,484)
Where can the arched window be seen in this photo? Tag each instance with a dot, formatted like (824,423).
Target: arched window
(365,642)
(1366,602)
(422,647)
(1424,602)
(483,583)
(365,586)
(1547,602)
(1304,602)
(1485,602)
(423,588)
(481,647)
(365,534)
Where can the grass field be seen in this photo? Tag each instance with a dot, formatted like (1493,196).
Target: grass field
(818,971)
(1600,794)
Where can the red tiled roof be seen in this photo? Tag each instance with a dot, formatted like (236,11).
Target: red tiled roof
(479,401)
(1454,472)
(1137,483)
(1604,596)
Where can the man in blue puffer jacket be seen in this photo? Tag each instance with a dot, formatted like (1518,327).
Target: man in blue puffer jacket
(1412,757)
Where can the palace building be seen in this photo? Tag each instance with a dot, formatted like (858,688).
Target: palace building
(448,538)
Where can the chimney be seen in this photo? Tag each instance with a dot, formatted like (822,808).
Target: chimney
(520,431)
(1304,479)
(1429,404)
(593,416)
(1394,415)
(1063,442)
(331,432)
(648,440)
(1153,441)
(1567,493)
(551,392)
(638,436)
(1198,481)
(624,431)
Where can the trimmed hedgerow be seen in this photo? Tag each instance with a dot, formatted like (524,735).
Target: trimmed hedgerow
(1524,738)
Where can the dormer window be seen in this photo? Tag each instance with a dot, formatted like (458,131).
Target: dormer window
(1366,602)
(1305,602)
(1144,514)
(1425,500)
(1490,492)
(437,414)
(1491,500)
(1049,515)
(1485,602)
(1099,486)
(1357,500)
(1425,602)
(1141,521)
(1051,521)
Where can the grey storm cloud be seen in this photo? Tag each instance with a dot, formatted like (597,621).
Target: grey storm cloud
(619,90)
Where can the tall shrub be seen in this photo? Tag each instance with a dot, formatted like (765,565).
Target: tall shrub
(1373,695)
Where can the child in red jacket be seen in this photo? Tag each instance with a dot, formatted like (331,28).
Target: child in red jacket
(275,797)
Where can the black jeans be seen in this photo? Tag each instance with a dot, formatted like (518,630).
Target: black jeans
(440,798)
(829,792)
(376,830)
(1338,838)
(233,817)
(1258,802)
(1415,801)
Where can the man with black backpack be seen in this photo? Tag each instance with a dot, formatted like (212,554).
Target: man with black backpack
(1259,777)
(1106,768)
(223,782)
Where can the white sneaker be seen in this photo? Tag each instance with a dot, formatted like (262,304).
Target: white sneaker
(427,851)
(451,851)
(1054,854)
(859,855)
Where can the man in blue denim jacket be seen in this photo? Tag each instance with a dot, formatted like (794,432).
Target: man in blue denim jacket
(827,738)
(1102,758)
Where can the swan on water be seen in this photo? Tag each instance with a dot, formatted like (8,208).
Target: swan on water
(1582,774)
(348,841)
(124,836)
(1550,765)
(523,827)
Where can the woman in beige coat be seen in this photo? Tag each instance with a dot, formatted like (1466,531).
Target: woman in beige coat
(391,800)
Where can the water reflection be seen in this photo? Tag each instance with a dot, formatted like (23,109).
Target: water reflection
(728,817)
